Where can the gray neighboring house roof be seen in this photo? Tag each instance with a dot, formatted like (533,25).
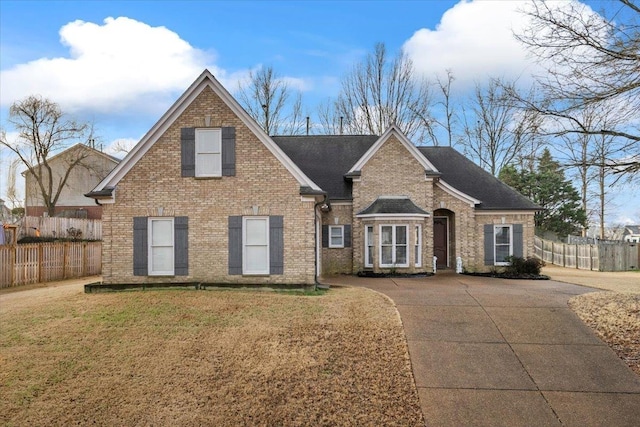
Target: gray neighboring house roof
(464,175)
(631,229)
(325,159)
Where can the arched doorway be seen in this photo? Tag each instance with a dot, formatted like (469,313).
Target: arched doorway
(443,241)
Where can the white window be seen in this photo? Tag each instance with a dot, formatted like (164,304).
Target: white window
(417,249)
(503,244)
(161,258)
(368,246)
(255,243)
(336,236)
(208,152)
(393,246)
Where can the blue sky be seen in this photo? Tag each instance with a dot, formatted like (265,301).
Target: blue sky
(122,64)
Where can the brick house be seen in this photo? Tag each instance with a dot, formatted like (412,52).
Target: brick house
(207,196)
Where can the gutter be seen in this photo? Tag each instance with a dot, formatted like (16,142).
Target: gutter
(315,243)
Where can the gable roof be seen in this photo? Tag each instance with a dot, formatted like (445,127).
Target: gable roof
(631,229)
(206,79)
(77,147)
(467,177)
(395,131)
(327,158)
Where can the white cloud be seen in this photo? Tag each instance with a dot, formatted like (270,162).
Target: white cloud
(110,67)
(475,40)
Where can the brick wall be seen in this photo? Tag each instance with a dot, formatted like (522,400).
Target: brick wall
(392,171)
(337,260)
(154,187)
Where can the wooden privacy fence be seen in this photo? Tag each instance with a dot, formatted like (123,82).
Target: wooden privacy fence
(617,256)
(90,229)
(45,262)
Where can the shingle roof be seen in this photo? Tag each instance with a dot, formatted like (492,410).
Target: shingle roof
(392,205)
(631,229)
(325,159)
(464,175)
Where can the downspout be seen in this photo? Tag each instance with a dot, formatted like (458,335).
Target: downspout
(318,285)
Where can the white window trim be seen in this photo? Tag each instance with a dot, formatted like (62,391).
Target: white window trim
(150,247)
(495,258)
(393,244)
(418,245)
(368,246)
(341,228)
(218,133)
(246,271)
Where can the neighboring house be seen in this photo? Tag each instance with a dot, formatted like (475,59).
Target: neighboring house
(631,233)
(207,196)
(5,213)
(93,167)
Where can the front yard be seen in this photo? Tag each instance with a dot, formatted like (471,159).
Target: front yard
(206,358)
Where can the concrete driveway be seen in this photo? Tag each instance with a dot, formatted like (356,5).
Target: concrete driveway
(493,352)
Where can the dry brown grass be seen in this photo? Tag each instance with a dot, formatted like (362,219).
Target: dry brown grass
(615,317)
(206,358)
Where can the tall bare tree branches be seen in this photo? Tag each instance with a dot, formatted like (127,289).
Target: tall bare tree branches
(43,130)
(496,132)
(589,60)
(266,98)
(381,91)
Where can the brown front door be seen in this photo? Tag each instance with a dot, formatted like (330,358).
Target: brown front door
(441,240)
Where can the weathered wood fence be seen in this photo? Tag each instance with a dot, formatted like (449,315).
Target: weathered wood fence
(618,256)
(45,262)
(90,229)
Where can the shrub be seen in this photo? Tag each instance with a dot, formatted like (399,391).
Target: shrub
(521,266)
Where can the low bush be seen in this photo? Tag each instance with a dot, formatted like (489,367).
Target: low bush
(520,266)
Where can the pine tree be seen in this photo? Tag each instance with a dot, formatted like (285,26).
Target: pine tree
(547,186)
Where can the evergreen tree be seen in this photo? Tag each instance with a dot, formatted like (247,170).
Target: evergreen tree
(548,187)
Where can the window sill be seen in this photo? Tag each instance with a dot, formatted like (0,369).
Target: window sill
(207,177)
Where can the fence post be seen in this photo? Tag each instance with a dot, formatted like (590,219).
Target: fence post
(12,278)
(84,258)
(40,262)
(65,258)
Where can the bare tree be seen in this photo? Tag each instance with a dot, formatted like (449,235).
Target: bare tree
(447,119)
(589,59)
(43,130)
(495,131)
(381,91)
(588,156)
(266,99)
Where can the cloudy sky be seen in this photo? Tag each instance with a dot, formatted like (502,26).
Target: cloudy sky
(122,64)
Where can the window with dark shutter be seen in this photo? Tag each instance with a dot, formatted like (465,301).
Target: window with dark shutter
(488,244)
(518,241)
(235,245)
(347,235)
(181,236)
(325,236)
(228,151)
(276,245)
(188,151)
(140,246)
